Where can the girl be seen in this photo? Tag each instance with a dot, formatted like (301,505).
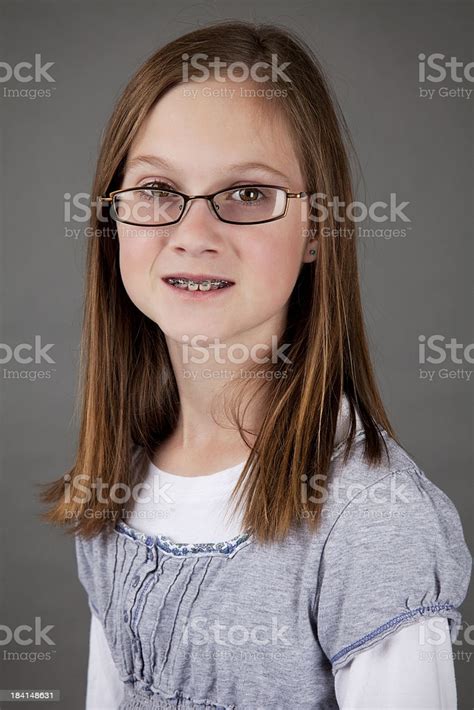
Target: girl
(249,531)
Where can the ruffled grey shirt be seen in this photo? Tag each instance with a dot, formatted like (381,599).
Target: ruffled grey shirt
(241,625)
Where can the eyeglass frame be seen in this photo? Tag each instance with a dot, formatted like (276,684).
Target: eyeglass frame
(209,198)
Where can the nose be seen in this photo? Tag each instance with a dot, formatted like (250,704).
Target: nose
(199,228)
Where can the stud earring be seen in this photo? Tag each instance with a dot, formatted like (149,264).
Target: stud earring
(312,252)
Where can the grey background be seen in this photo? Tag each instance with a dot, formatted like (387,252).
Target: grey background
(421,150)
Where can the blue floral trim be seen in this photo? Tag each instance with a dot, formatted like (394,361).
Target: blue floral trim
(180,549)
(393,622)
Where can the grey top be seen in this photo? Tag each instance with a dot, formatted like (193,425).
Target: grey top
(241,625)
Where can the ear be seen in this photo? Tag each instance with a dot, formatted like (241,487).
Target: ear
(310,251)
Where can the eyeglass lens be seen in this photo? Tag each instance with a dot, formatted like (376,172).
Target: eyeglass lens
(153,207)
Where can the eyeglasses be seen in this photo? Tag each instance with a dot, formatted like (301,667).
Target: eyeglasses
(155,205)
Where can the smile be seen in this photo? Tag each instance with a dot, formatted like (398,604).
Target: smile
(189,285)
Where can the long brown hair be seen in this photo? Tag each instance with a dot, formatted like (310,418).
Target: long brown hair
(128,394)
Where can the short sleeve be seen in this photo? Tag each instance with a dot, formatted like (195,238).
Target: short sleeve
(85,572)
(394,555)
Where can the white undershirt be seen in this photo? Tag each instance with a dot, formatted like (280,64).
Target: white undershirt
(389,675)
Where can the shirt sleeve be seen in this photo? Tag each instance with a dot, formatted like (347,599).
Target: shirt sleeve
(104,687)
(412,668)
(85,573)
(395,554)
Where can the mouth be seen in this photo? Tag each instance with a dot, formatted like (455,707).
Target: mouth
(202,283)
(198,287)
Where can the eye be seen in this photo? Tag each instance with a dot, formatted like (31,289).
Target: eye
(156,188)
(247,195)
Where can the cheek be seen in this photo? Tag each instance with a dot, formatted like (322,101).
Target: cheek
(136,256)
(276,261)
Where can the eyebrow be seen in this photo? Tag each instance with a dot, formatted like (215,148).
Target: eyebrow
(155,161)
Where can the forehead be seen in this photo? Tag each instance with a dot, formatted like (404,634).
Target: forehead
(214,127)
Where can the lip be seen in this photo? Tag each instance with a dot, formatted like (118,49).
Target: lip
(197,295)
(197,277)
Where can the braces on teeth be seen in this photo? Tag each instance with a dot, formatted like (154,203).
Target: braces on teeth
(194,285)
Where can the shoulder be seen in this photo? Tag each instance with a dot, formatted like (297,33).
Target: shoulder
(392,522)
(394,552)
(396,488)
(94,555)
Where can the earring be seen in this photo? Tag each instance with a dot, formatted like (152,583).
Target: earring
(312,252)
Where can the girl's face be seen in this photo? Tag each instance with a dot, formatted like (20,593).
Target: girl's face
(199,144)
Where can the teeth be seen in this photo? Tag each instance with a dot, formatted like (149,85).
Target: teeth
(190,285)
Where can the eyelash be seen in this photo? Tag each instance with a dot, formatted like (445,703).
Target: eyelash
(163,185)
(158,183)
